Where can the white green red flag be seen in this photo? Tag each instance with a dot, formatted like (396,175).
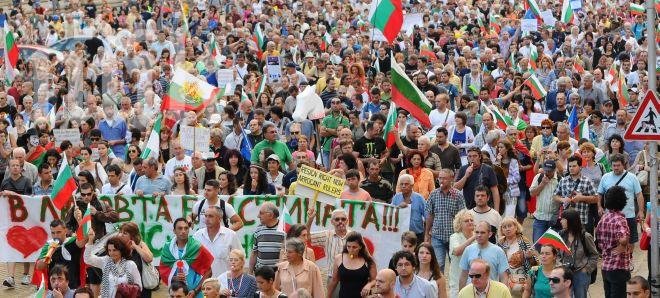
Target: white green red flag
(390,126)
(535,85)
(566,12)
(611,77)
(64,185)
(41,292)
(11,53)
(195,257)
(637,9)
(153,143)
(259,39)
(262,86)
(215,51)
(407,96)
(582,130)
(326,40)
(550,237)
(502,121)
(531,4)
(85,224)
(387,16)
(622,95)
(189,93)
(286,222)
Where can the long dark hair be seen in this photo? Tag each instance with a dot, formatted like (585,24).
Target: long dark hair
(615,137)
(232,153)
(573,222)
(186,181)
(364,253)
(262,181)
(435,268)
(231,182)
(509,149)
(295,231)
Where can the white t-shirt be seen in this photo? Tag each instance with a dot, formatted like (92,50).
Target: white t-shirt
(123,188)
(229,211)
(173,163)
(220,246)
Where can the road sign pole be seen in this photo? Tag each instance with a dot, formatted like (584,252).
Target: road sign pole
(653,149)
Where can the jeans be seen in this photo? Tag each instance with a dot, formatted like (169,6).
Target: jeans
(581,282)
(521,207)
(614,283)
(325,157)
(538,228)
(441,249)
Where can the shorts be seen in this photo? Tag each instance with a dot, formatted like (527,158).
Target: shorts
(632,225)
(94,275)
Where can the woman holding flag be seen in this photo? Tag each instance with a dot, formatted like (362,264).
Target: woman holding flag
(583,258)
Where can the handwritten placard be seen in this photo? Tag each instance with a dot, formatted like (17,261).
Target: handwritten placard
(61,135)
(274,68)
(529,25)
(225,77)
(535,119)
(195,138)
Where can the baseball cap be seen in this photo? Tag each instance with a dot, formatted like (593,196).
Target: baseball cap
(208,156)
(549,165)
(273,157)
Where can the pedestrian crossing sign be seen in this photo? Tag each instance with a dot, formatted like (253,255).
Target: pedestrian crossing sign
(645,125)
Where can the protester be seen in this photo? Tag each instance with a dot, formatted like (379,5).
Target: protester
(463,236)
(561,282)
(117,268)
(407,282)
(583,258)
(519,252)
(300,231)
(140,253)
(265,279)
(267,238)
(229,218)
(537,281)
(482,282)
(298,273)
(235,282)
(429,269)
(217,238)
(483,249)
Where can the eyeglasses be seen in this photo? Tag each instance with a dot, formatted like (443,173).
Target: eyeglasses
(295,132)
(546,127)
(554,280)
(473,276)
(132,151)
(85,194)
(338,219)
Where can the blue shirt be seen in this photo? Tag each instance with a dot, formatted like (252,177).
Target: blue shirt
(493,254)
(150,186)
(368,108)
(417,213)
(630,183)
(115,132)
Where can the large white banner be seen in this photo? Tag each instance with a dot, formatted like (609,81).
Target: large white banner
(24,221)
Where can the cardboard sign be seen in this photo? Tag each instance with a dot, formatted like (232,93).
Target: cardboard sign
(72,135)
(321,181)
(195,138)
(548,18)
(225,77)
(535,119)
(410,20)
(274,69)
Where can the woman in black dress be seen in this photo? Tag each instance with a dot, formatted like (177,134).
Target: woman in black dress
(354,268)
(140,253)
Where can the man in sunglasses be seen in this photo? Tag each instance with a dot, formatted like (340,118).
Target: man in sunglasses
(561,282)
(482,285)
(335,238)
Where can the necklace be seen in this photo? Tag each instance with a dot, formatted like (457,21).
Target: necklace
(232,287)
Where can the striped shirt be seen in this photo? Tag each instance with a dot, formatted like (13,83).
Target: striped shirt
(268,243)
(546,207)
(334,245)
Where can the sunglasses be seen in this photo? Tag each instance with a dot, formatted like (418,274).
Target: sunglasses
(85,194)
(546,127)
(473,276)
(132,151)
(554,280)
(295,132)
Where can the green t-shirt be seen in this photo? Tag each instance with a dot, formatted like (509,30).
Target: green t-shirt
(542,283)
(278,147)
(331,121)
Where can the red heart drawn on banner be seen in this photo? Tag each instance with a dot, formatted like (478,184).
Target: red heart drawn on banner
(26,241)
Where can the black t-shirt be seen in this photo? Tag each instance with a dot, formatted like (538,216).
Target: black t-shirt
(90,8)
(558,116)
(484,175)
(370,147)
(73,264)
(21,186)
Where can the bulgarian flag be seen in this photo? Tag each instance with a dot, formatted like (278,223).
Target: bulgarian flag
(537,89)
(64,185)
(259,39)
(51,117)
(390,126)
(85,224)
(480,22)
(244,96)
(611,77)
(262,86)
(501,121)
(285,224)
(566,12)
(550,237)
(637,9)
(215,51)
(37,156)
(11,53)
(582,130)
(495,22)
(577,65)
(153,144)
(533,58)
(36,280)
(41,292)
(188,92)
(195,257)
(531,4)
(622,95)
(406,95)
(387,16)
(326,40)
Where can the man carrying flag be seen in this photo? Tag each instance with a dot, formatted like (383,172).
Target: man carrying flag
(183,258)
(61,251)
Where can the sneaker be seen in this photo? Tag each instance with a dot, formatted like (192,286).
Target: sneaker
(26,280)
(9,282)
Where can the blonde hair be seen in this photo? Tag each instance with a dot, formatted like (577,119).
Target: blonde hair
(238,254)
(214,282)
(510,221)
(458,219)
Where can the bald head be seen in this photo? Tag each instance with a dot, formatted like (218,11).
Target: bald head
(385,282)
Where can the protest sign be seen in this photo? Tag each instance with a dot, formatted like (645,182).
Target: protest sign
(318,185)
(72,135)
(225,77)
(528,25)
(24,221)
(274,69)
(195,138)
(535,119)
(576,4)
(548,18)
(410,20)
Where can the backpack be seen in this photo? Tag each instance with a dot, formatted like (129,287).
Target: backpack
(225,219)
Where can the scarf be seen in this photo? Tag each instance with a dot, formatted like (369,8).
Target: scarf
(547,140)
(415,173)
(113,275)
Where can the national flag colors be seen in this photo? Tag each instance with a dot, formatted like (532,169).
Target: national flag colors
(153,144)
(387,16)
(532,5)
(262,86)
(407,96)
(550,237)
(286,222)
(85,224)
(535,85)
(611,77)
(195,257)
(390,126)
(259,39)
(216,56)
(582,130)
(11,53)
(37,156)
(188,92)
(41,292)
(500,120)
(64,185)
(622,95)
(637,9)
(573,121)
(566,12)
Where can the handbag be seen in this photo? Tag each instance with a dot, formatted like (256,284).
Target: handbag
(643,175)
(150,276)
(645,241)
(127,291)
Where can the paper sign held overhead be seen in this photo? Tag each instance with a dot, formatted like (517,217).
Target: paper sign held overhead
(645,124)
(529,25)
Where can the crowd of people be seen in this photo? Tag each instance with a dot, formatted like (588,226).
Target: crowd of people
(494,156)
